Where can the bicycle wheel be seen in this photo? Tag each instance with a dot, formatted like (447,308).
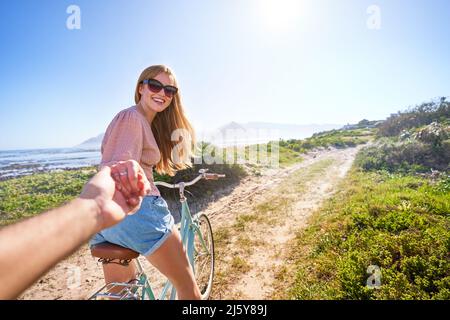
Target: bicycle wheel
(204,257)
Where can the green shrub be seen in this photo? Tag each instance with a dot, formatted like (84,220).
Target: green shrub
(401,224)
(434,134)
(407,156)
(414,117)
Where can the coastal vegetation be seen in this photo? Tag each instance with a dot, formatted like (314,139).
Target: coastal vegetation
(25,196)
(386,233)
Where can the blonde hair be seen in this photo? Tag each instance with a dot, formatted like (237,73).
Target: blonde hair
(165,123)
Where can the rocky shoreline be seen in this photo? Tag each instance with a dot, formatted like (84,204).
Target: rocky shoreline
(31,169)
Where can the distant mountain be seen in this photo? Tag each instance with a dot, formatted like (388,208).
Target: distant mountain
(92,143)
(250,132)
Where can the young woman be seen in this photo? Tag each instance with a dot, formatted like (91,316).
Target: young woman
(144,133)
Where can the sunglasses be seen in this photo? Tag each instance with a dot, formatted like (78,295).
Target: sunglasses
(156,86)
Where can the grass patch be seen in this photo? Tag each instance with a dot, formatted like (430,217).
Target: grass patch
(222,236)
(239,265)
(399,223)
(288,156)
(244,219)
(29,195)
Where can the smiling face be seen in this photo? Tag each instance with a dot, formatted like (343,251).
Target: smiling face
(156,101)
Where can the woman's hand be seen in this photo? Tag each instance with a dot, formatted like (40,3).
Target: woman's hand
(117,190)
(130,180)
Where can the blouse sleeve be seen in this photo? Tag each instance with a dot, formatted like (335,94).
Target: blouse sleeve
(123,139)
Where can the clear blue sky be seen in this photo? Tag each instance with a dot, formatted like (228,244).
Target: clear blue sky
(283,61)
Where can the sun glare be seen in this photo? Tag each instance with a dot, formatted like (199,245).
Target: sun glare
(281,15)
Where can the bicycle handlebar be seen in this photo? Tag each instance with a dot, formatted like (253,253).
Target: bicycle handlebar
(202,175)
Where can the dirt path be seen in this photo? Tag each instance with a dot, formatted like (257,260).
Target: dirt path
(257,253)
(80,274)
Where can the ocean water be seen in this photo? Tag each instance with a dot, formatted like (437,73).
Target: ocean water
(15,163)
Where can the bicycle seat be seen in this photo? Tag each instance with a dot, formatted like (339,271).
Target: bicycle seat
(108,250)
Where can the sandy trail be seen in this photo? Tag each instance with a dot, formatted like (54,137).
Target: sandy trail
(267,259)
(80,274)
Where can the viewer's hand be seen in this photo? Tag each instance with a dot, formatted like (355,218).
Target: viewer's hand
(114,205)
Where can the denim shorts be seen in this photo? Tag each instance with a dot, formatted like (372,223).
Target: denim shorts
(144,232)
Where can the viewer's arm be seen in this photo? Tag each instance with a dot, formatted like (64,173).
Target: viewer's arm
(30,248)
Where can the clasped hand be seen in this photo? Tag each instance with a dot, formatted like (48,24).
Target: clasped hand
(117,190)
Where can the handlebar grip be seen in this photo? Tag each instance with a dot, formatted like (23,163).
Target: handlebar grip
(213,176)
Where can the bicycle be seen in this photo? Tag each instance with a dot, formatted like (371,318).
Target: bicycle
(197,237)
